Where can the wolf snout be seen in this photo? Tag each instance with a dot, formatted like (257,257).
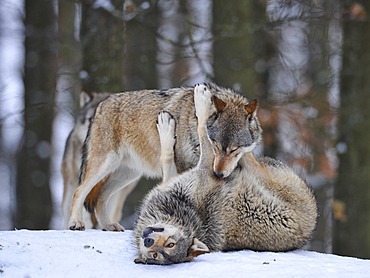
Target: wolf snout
(148,230)
(219,175)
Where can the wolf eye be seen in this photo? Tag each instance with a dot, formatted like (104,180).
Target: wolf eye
(233,150)
(213,118)
(155,255)
(170,245)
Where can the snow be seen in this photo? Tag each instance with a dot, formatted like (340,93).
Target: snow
(94,253)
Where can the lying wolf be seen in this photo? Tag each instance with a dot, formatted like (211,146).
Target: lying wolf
(123,144)
(258,204)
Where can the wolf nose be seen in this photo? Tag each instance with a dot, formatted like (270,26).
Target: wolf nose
(148,242)
(219,175)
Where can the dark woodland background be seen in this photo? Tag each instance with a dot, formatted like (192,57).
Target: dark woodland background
(308,62)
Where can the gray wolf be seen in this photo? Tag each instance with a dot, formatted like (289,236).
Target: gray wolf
(72,157)
(122,145)
(231,200)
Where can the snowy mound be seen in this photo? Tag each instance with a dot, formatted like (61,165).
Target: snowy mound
(110,254)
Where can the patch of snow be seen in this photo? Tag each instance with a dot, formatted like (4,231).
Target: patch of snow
(95,253)
(103,4)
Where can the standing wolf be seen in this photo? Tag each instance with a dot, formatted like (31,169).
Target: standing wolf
(122,144)
(230,200)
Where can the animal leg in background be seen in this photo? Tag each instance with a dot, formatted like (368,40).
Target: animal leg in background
(106,201)
(117,201)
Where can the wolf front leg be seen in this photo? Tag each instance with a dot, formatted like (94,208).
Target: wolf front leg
(203,110)
(166,129)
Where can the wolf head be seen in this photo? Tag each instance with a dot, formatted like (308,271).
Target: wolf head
(165,244)
(88,103)
(233,130)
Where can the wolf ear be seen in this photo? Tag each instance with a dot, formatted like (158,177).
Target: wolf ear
(219,104)
(85,97)
(252,106)
(198,248)
(139,260)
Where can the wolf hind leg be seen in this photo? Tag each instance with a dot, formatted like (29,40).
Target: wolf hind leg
(123,179)
(166,129)
(95,172)
(117,201)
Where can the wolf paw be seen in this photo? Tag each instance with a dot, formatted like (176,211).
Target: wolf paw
(114,227)
(166,129)
(76,225)
(203,102)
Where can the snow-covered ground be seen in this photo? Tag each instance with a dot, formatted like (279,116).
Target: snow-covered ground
(94,253)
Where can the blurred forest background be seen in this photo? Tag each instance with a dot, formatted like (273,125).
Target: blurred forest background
(308,62)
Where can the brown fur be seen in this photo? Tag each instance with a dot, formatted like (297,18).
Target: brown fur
(92,197)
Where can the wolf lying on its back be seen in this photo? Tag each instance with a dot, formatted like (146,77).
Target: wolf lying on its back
(261,204)
(122,144)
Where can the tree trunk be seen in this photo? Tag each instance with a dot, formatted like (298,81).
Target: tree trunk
(352,190)
(102,48)
(69,58)
(242,52)
(239,43)
(34,206)
(140,57)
